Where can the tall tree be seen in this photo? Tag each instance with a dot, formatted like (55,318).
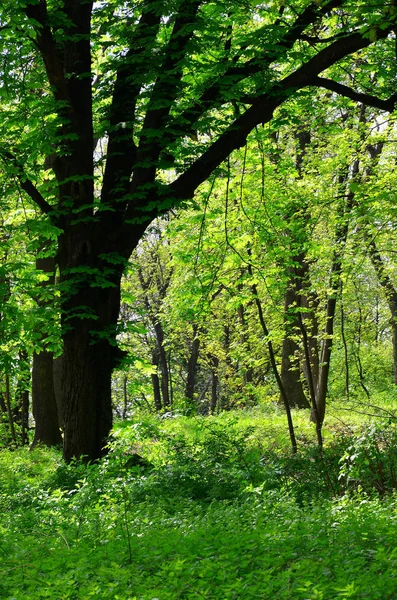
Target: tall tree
(147,80)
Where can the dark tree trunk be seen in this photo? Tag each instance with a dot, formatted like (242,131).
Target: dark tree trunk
(44,406)
(90,354)
(165,386)
(24,403)
(22,396)
(9,411)
(156,381)
(290,374)
(43,401)
(57,375)
(214,384)
(310,302)
(291,352)
(86,376)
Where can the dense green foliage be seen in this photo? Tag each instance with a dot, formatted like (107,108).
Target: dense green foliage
(215,508)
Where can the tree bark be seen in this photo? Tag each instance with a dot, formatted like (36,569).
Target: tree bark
(44,406)
(290,357)
(156,381)
(57,375)
(90,354)
(214,360)
(9,411)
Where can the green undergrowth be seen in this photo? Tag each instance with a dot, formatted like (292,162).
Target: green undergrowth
(216,508)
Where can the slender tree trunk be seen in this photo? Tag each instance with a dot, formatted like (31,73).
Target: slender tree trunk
(164,379)
(297,274)
(156,382)
(125,397)
(345,351)
(171,387)
(45,411)
(335,287)
(310,302)
(290,357)
(25,417)
(22,396)
(9,411)
(248,371)
(274,366)
(214,384)
(192,366)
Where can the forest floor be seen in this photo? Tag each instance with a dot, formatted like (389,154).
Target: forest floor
(208,507)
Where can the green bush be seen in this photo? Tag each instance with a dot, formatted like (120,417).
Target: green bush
(370,461)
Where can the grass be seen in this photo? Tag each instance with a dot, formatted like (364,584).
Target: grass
(218,510)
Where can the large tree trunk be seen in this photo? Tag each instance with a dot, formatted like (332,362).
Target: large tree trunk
(298,274)
(90,354)
(86,379)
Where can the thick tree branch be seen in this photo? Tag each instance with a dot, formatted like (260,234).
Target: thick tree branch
(216,92)
(262,110)
(35,195)
(367,99)
(165,90)
(25,183)
(45,42)
(121,152)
